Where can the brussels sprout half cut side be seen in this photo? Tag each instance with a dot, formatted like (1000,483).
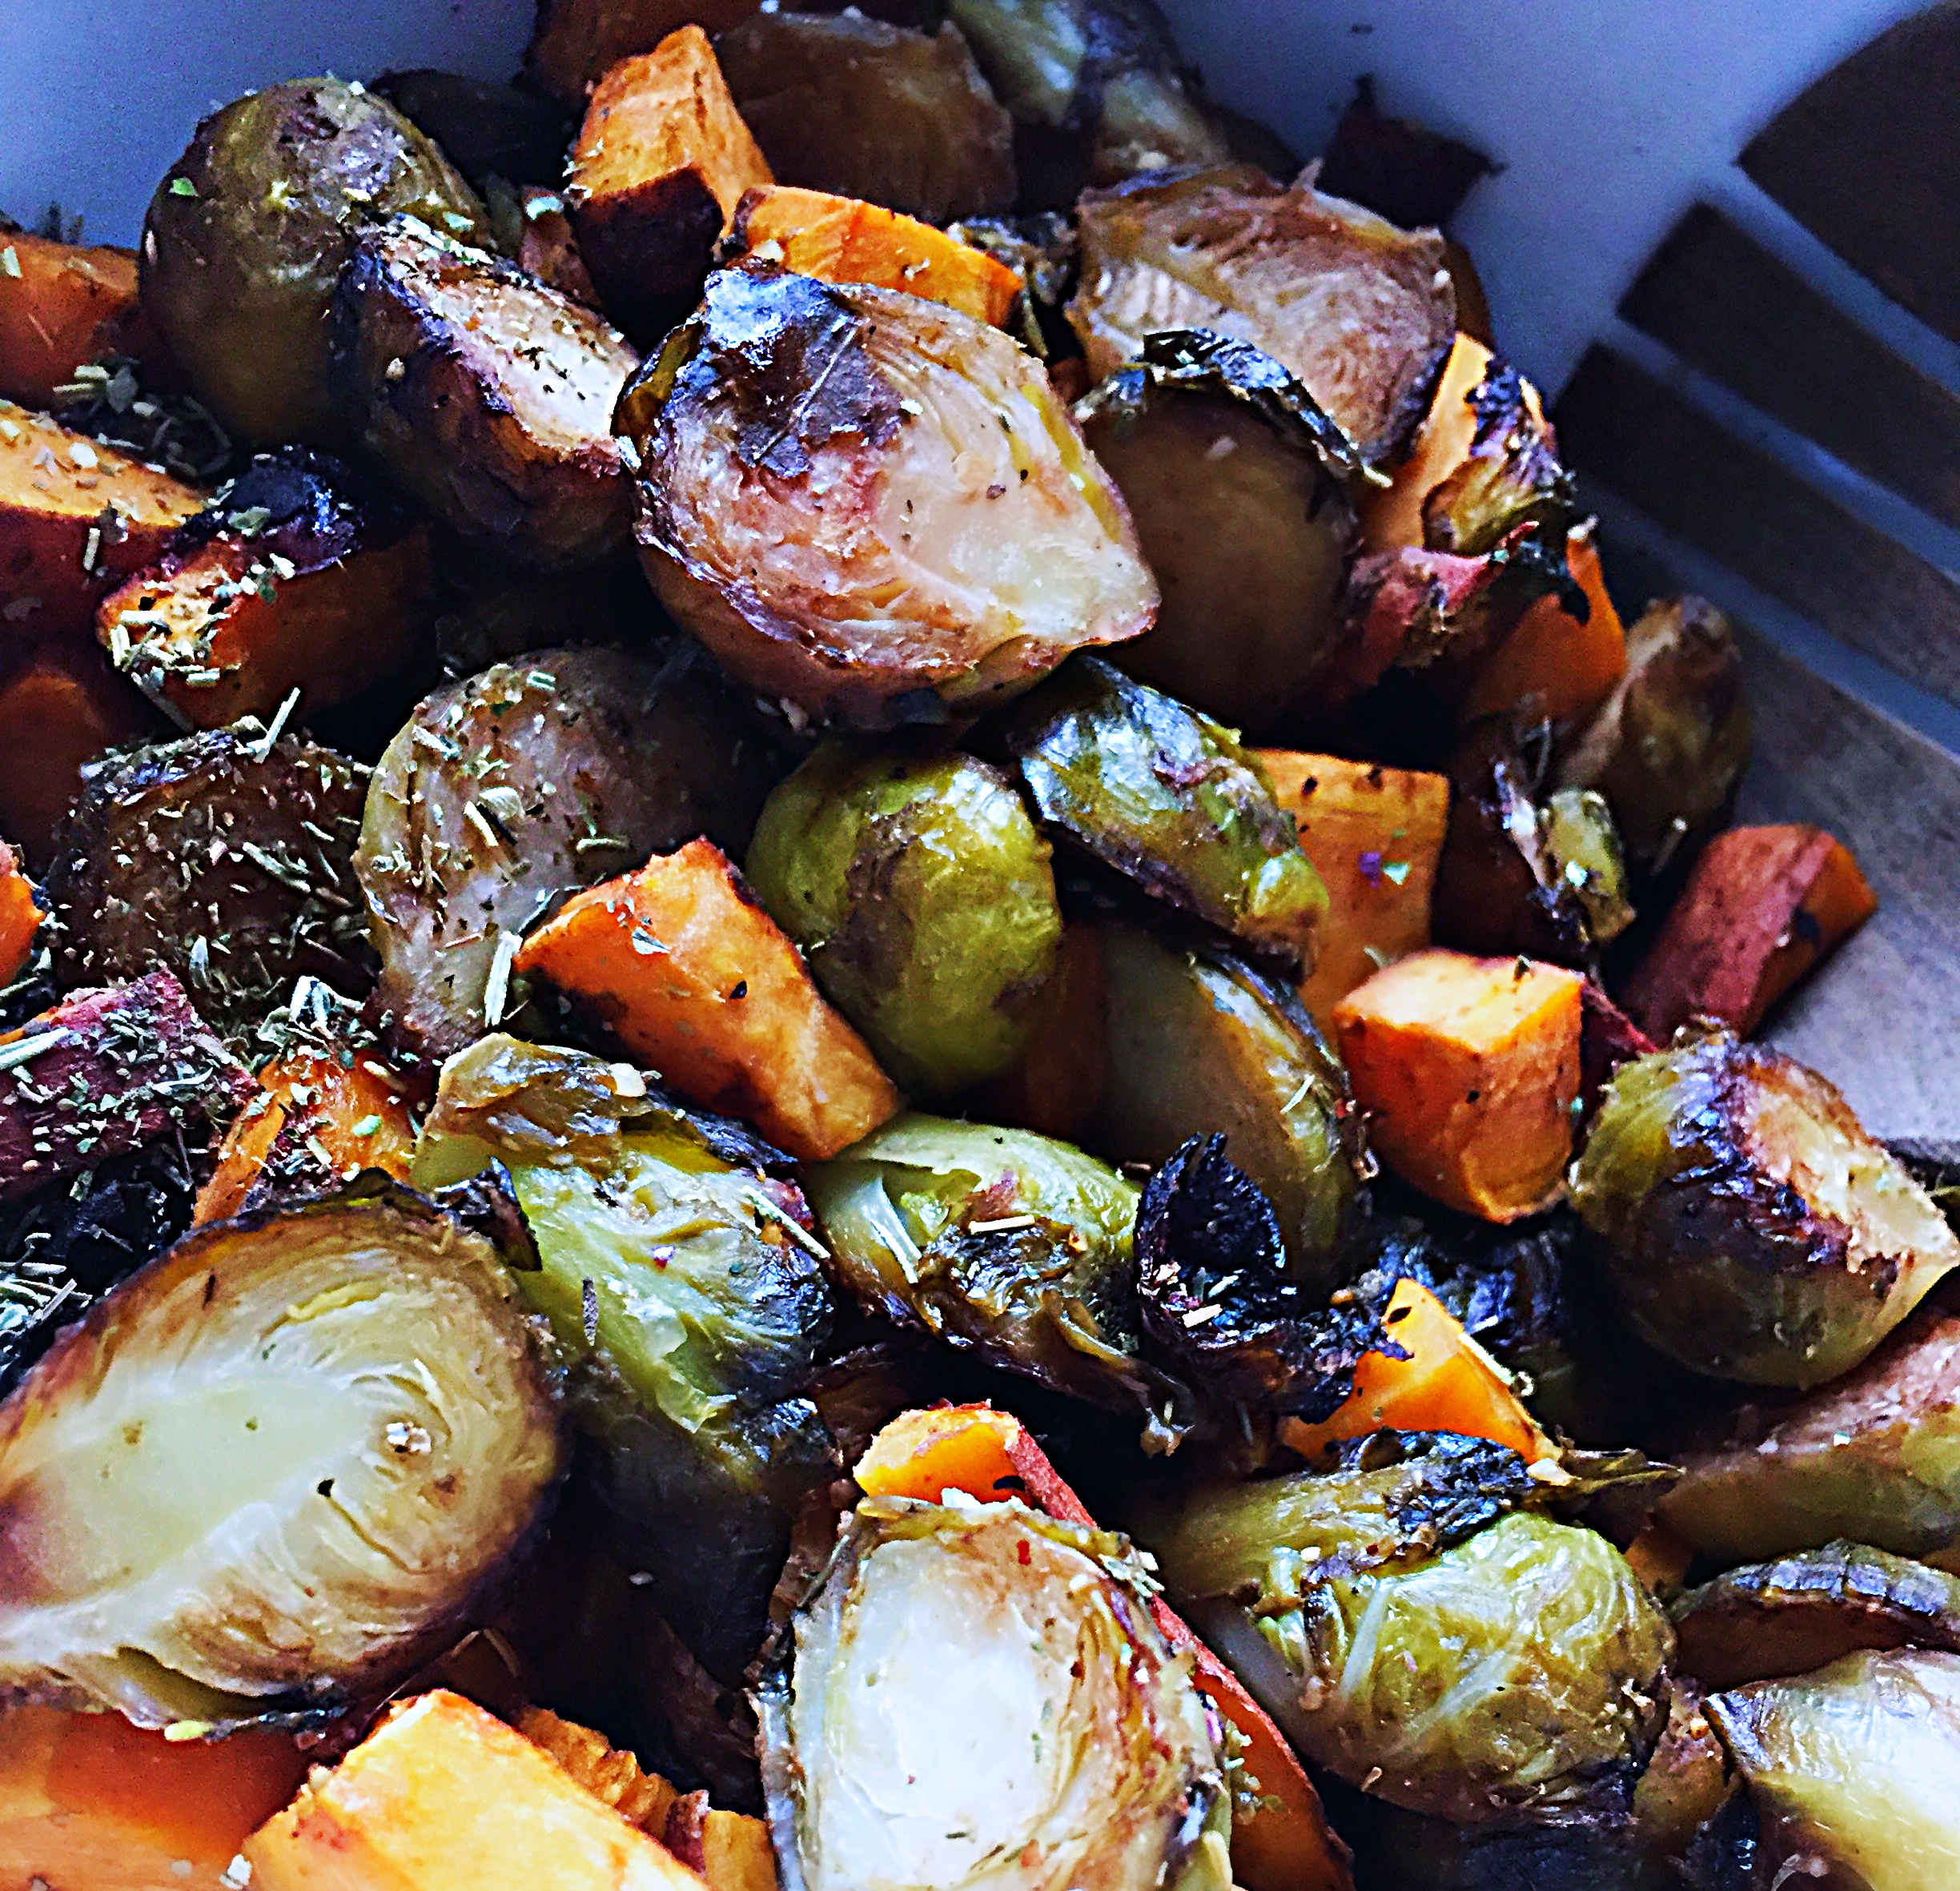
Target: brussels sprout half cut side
(274,1471)
(978,1695)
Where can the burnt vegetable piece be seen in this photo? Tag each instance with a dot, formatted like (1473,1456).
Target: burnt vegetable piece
(1510,477)
(488,395)
(1750,1228)
(224,1494)
(488,131)
(1081,1754)
(921,892)
(854,106)
(227,859)
(1236,479)
(1361,312)
(686,1296)
(1170,798)
(246,235)
(515,785)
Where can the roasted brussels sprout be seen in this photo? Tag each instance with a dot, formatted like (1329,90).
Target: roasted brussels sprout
(1363,313)
(1002,1242)
(1510,476)
(1234,477)
(684,1294)
(489,132)
(1584,842)
(273,1470)
(873,505)
(1198,1044)
(1875,1458)
(1771,1619)
(1851,1770)
(246,236)
(979,1695)
(921,892)
(227,860)
(1750,1229)
(489,396)
(524,782)
(1168,797)
(1668,747)
(864,108)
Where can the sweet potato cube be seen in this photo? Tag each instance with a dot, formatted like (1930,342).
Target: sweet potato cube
(444,1796)
(578,41)
(65,705)
(1553,665)
(90,1803)
(644,1799)
(1763,905)
(548,247)
(76,518)
(1391,517)
(1375,836)
(690,974)
(730,1850)
(62,307)
(844,239)
(657,169)
(20,915)
(1468,1069)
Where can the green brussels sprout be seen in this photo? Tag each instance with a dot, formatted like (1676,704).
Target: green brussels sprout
(1001,1241)
(1584,846)
(921,891)
(1751,1229)
(686,1298)
(980,1695)
(1165,796)
(1199,1044)
(1852,1771)
(246,236)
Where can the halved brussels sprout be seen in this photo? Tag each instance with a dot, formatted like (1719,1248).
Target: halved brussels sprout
(528,781)
(1198,1044)
(246,235)
(978,1695)
(1853,1770)
(1002,1241)
(1235,478)
(1751,1229)
(1801,1612)
(1165,795)
(873,505)
(683,1292)
(1510,476)
(1584,842)
(919,889)
(272,1471)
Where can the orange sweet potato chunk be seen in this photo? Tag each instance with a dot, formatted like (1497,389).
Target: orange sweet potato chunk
(20,914)
(64,707)
(1469,1069)
(1552,665)
(62,306)
(1391,517)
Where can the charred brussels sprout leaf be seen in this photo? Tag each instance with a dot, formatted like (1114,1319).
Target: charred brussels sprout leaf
(1001,1241)
(1235,478)
(1168,797)
(683,1292)
(871,504)
(921,892)
(1511,477)
(976,1695)
(246,235)
(1751,1229)
(273,1470)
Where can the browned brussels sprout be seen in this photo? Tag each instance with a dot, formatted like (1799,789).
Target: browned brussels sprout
(1198,1044)
(1750,1228)
(227,860)
(1235,478)
(979,1695)
(1852,1772)
(1511,475)
(272,1471)
(489,132)
(246,236)
(1667,748)
(1168,797)
(504,790)
(684,1293)
(1875,1458)
(1363,313)
(1771,1619)
(920,890)
(842,103)
(1583,843)
(489,396)
(871,504)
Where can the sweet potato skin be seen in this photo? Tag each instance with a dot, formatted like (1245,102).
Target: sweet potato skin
(1469,1069)
(687,969)
(62,305)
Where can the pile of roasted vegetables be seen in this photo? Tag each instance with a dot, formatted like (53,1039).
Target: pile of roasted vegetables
(866,1029)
